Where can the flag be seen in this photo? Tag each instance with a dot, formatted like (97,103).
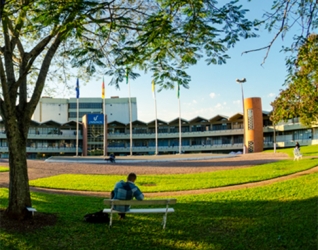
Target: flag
(103,89)
(178,91)
(77,89)
(153,88)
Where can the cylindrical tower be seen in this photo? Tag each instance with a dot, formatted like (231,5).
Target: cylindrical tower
(253,125)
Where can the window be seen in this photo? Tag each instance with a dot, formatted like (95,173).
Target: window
(238,139)
(80,114)
(250,121)
(302,134)
(222,126)
(86,105)
(95,139)
(217,140)
(250,146)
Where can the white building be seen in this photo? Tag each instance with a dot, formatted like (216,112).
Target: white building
(48,108)
(65,110)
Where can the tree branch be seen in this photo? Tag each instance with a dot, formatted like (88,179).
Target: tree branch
(268,47)
(29,109)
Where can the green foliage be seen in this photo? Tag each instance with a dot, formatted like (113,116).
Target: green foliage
(164,37)
(176,34)
(177,182)
(277,216)
(300,98)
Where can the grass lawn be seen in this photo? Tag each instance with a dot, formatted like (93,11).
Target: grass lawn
(311,150)
(177,182)
(4,169)
(278,216)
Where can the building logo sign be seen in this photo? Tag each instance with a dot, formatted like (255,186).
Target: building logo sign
(95,119)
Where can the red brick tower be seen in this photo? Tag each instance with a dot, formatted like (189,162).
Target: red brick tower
(253,125)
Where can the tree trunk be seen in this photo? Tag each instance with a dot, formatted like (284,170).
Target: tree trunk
(19,191)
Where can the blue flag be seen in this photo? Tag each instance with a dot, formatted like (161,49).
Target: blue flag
(77,89)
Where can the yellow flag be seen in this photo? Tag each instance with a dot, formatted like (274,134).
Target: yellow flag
(153,88)
(103,89)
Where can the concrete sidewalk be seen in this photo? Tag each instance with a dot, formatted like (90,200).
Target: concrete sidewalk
(138,158)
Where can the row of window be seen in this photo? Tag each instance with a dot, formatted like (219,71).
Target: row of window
(80,114)
(45,131)
(86,105)
(218,140)
(44,143)
(184,129)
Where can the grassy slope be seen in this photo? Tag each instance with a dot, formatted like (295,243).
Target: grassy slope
(177,182)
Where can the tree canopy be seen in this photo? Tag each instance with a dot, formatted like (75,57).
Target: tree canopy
(300,98)
(41,37)
(300,19)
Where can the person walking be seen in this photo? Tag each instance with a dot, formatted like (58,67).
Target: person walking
(297,146)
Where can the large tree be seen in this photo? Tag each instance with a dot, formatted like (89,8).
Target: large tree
(300,19)
(161,36)
(300,98)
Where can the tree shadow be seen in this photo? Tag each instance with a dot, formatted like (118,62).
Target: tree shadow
(250,224)
(221,224)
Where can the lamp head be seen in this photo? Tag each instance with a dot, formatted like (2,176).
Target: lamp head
(241,80)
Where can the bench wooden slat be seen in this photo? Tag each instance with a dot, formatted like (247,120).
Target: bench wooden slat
(165,211)
(110,202)
(31,209)
(142,210)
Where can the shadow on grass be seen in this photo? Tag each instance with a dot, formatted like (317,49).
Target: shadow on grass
(199,224)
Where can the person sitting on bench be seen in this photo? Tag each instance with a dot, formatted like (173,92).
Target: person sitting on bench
(126,191)
(111,158)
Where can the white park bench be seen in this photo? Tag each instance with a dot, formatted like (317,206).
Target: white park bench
(164,202)
(31,210)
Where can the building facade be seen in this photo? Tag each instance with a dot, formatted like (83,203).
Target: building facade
(219,134)
(73,109)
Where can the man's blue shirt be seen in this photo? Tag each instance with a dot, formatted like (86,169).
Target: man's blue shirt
(126,191)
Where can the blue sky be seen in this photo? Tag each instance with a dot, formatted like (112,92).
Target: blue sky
(213,89)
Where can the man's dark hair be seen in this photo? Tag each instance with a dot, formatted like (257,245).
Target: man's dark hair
(132,177)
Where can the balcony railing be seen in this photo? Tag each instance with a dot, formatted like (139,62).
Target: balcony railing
(176,134)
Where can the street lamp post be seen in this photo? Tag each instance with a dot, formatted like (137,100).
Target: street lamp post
(241,81)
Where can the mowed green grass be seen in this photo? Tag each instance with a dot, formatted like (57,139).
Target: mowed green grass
(306,151)
(4,169)
(278,216)
(177,182)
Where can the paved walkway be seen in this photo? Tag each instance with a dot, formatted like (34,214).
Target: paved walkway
(139,158)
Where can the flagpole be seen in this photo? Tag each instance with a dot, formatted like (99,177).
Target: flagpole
(104,141)
(180,141)
(104,120)
(130,116)
(156,121)
(77,113)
